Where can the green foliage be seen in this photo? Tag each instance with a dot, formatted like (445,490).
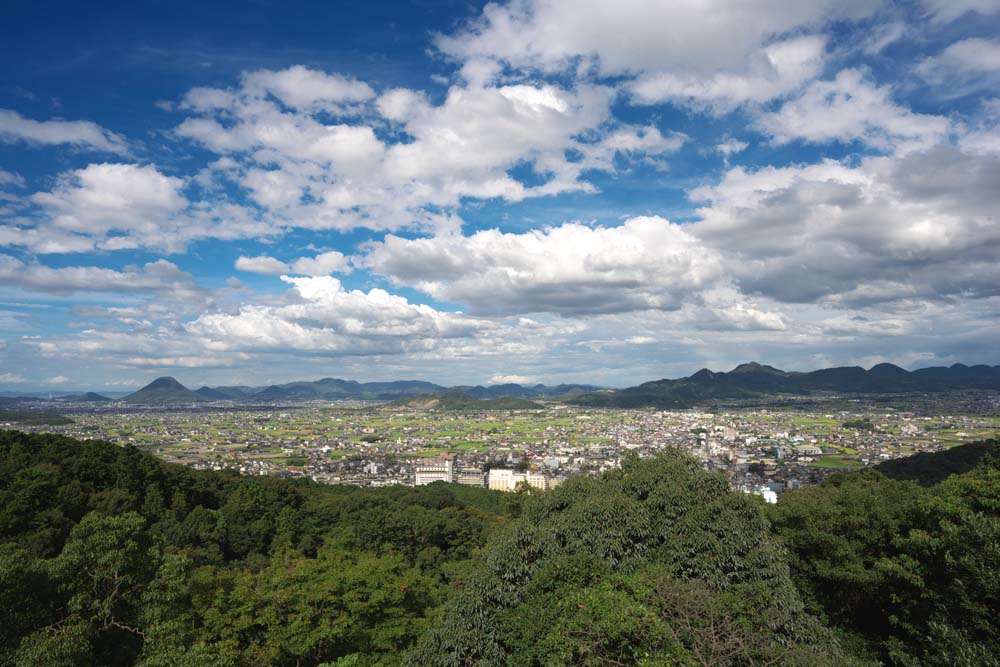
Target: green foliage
(913,573)
(111,557)
(859,425)
(33,418)
(655,564)
(930,468)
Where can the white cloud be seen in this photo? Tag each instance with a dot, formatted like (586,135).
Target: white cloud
(115,206)
(402,104)
(328,171)
(304,88)
(325,316)
(981,141)
(776,70)
(78,133)
(323,264)
(712,53)
(512,379)
(883,36)
(12,378)
(918,227)
(102,198)
(11,178)
(159,276)
(263,264)
(852,108)
(944,11)
(572,269)
(967,62)
(631,36)
(58,379)
(731,147)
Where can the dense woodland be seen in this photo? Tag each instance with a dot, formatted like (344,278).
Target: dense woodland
(111,557)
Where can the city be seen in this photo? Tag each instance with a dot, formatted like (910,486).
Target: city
(762,450)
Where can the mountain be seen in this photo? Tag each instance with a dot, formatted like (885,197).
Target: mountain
(333,389)
(219,394)
(86,397)
(337,389)
(755,380)
(163,391)
(458,400)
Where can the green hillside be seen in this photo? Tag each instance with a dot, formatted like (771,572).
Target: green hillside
(754,380)
(33,418)
(111,557)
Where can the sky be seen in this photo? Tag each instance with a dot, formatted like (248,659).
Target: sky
(607,192)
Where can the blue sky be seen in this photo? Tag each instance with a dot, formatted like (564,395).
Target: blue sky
(537,191)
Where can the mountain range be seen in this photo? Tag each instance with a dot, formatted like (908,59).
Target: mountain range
(754,380)
(332,389)
(168,391)
(746,381)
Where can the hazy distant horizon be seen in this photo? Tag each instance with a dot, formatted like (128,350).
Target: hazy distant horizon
(122,390)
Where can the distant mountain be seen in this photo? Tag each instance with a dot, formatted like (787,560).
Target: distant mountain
(755,380)
(337,389)
(333,389)
(86,397)
(163,391)
(459,400)
(238,393)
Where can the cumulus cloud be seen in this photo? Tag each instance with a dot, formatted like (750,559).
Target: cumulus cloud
(304,88)
(919,226)
(323,316)
(328,168)
(12,378)
(321,265)
(635,36)
(852,108)
(77,133)
(116,206)
(316,317)
(777,69)
(646,263)
(717,54)
(268,266)
(159,276)
(731,147)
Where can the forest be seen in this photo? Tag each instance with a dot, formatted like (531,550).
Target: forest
(111,557)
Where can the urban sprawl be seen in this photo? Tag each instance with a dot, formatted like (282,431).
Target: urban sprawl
(762,450)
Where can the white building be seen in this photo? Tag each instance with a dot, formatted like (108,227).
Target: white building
(504,479)
(439,470)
